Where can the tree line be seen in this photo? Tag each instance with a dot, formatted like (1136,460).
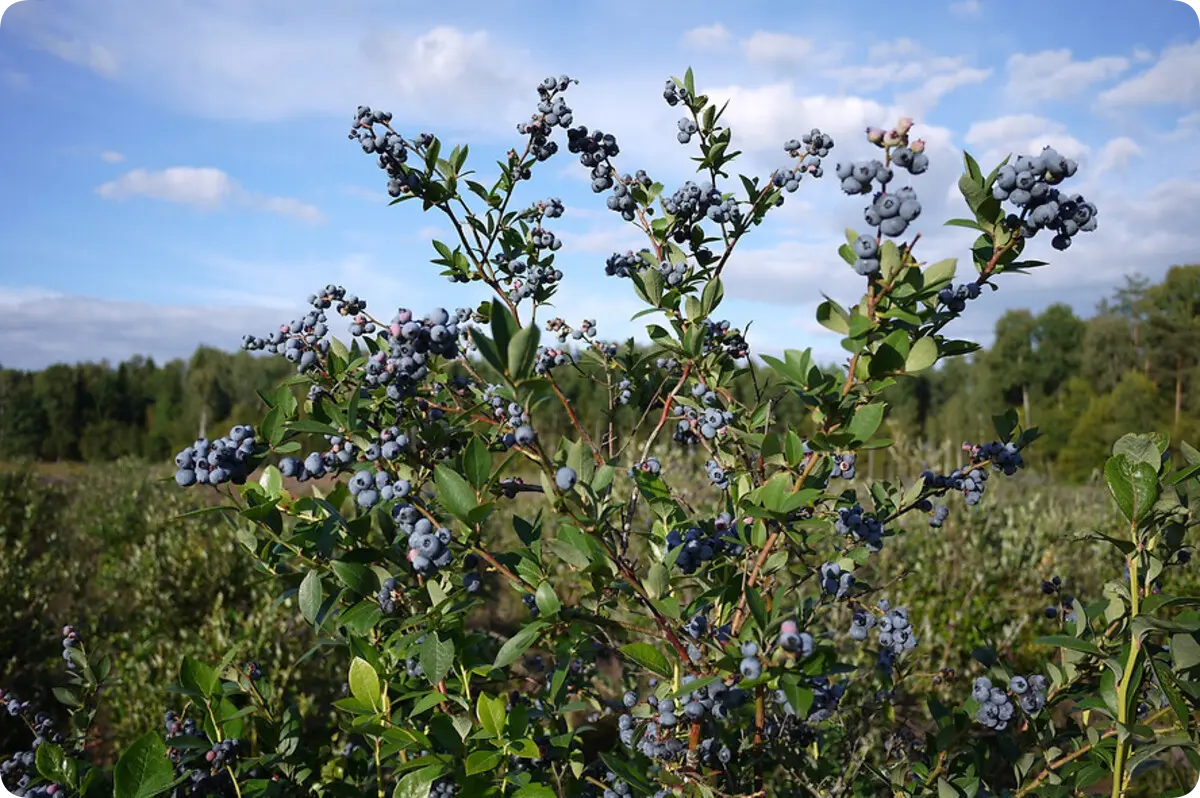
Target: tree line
(1133,364)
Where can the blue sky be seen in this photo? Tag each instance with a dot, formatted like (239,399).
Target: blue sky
(177,172)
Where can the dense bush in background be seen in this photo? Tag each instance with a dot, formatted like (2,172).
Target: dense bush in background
(104,548)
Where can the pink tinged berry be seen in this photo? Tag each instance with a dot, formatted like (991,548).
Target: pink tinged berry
(412,555)
(904,125)
(210,756)
(917,146)
(789,627)
(875,135)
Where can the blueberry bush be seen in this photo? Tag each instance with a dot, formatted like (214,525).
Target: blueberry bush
(732,642)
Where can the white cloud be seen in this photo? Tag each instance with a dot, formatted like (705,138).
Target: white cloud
(1174,79)
(111,156)
(709,36)
(768,49)
(203,188)
(267,61)
(95,57)
(923,99)
(967,8)
(1006,128)
(1116,155)
(1053,75)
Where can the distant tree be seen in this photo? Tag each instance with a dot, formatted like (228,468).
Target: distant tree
(1012,360)
(1057,346)
(1172,327)
(1108,351)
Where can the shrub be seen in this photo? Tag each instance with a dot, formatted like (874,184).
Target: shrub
(734,643)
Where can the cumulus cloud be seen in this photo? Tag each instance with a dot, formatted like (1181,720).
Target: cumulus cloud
(272,60)
(1173,79)
(707,37)
(203,188)
(1055,75)
(1116,154)
(920,78)
(31,330)
(764,48)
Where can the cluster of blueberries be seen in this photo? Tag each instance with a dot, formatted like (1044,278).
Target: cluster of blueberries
(216,462)
(810,149)
(548,357)
(651,465)
(410,345)
(895,634)
(18,772)
(524,280)
(861,525)
(70,640)
(996,708)
(552,112)
(586,330)
(370,488)
(428,548)
(624,392)
(834,581)
(720,336)
(692,202)
(694,425)
(1029,184)
(302,340)
(717,475)
(698,546)
(955,297)
(621,199)
(391,148)
(654,734)
(513,415)
(342,453)
(629,264)
(1053,587)
(793,640)
(843,465)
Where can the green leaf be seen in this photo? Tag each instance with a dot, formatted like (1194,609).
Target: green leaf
(454,492)
(832,317)
(1133,485)
(52,763)
(491,714)
(866,421)
(757,608)
(924,353)
(364,682)
(516,645)
(310,596)
(143,769)
(436,657)
(547,600)
(504,326)
(942,271)
(482,761)
(356,576)
(801,698)
(522,350)
(648,657)
(1066,641)
(477,463)
(196,675)
(1185,651)
(417,783)
(657,581)
(487,349)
